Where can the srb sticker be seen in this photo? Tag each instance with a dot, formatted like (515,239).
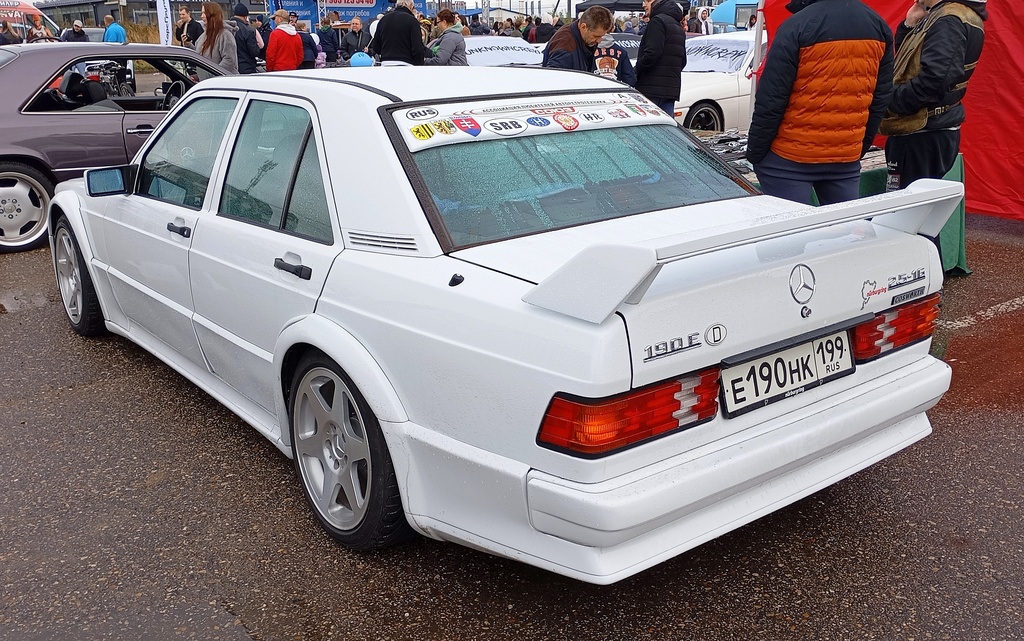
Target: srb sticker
(506,126)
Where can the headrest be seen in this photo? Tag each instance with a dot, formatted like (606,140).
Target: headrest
(71,82)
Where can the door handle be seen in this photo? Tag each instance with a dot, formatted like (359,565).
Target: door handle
(301,271)
(183,231)
(141,130)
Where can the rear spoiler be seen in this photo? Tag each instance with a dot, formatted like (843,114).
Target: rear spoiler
(594,282)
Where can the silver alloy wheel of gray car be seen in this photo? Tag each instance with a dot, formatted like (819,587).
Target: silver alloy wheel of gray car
(69,277)
(24,200)
(331,448)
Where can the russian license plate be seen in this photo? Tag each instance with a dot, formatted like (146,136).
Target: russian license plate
(785,373)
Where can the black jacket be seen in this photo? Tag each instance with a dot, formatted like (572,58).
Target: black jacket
(308,47)
(399,38)
(330,42)
(245,46)
(354,42)
(265,31)
(194,29)
(543,33)
(70,35)
(949,47)
(662,53)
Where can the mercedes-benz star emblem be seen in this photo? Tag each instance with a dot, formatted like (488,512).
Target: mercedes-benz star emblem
(801,283)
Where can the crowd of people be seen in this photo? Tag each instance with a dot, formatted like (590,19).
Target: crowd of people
(834,77)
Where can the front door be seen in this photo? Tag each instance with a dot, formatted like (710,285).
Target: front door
(147,235)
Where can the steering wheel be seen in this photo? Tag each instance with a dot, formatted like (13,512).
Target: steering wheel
(44,39)
(172,95)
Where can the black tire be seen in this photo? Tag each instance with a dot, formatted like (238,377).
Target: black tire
(705,116)
(25,194)
(342,460)
(81,306)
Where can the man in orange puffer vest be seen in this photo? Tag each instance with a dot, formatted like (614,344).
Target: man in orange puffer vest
(826,85)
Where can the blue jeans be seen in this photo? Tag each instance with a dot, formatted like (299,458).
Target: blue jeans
(832,182)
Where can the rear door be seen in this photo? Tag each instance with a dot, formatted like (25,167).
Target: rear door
(260,263)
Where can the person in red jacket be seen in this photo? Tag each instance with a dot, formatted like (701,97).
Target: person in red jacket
(284,51)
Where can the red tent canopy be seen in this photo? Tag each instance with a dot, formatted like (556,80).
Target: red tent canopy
(992,142)
(16,8)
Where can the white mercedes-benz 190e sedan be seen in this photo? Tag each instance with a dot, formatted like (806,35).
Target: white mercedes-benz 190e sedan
(544,323)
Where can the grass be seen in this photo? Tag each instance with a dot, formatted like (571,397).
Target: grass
(142,33)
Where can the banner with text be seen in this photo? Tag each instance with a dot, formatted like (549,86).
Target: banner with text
(368,10)
(164,21)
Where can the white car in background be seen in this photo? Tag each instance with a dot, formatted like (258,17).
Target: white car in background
(715,93)
(556,329)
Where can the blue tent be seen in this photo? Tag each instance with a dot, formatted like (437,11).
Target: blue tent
(725,13)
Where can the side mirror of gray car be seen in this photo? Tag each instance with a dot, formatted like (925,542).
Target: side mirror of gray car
(111,180)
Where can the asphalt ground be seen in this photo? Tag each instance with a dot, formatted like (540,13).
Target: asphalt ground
(133,506)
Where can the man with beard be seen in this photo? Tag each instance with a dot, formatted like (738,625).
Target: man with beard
(75,33)
(938,47)
(824,90)
(662,54)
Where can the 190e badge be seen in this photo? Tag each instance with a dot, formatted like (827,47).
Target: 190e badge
(714,335)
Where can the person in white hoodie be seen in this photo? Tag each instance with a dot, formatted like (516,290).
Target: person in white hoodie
(705,26)
(217,43)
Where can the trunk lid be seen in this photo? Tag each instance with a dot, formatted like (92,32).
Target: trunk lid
(705,283)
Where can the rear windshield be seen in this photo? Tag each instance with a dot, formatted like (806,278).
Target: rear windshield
(5,57)
(500,188)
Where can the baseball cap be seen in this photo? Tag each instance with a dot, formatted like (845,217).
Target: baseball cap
(77,23)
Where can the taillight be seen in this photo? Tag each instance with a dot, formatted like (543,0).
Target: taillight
(600,426)
(896,328)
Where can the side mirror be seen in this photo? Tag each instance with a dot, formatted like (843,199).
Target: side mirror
(110,180)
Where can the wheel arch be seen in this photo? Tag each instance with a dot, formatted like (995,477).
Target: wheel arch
(321,334)
(700,103)
(34,162)
(69,205)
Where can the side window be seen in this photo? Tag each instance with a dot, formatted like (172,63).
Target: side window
(177,168)
(274,177)
(307,208)
(190,70)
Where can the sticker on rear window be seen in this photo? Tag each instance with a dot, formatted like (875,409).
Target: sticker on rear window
(444,124)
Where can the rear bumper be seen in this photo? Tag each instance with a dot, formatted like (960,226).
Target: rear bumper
(604,532)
